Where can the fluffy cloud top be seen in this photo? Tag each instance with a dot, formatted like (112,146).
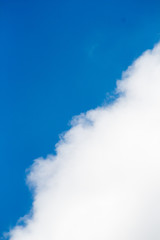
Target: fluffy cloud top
(104,182)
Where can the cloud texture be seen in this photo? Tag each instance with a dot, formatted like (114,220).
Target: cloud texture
(104,182)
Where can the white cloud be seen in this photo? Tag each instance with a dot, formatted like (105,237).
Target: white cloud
(104,182)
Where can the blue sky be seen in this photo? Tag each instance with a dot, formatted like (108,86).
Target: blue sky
(58,59)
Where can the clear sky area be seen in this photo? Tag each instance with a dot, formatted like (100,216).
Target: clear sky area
(59,59)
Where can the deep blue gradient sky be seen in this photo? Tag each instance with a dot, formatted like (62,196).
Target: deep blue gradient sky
(57,59)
